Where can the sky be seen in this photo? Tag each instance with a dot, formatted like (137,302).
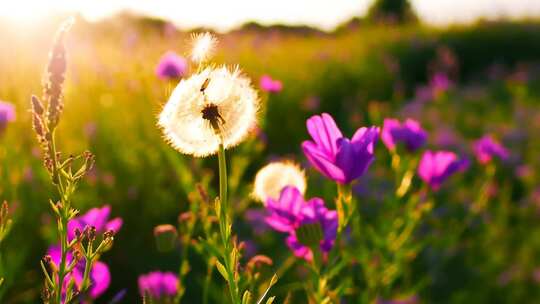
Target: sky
(223,15)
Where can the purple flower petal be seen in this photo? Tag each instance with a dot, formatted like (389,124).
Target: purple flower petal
(114,225)
(334,155)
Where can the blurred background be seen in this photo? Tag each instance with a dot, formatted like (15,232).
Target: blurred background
(463,68)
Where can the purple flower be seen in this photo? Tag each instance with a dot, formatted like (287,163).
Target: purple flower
(315,212)
(97,217)
(158,285)
(439,83)
(286,212)
(410,133)
(100,277)
(436,167)
(171,66)
(335,156)
(7,114)
(256,218)
(270,85)
(291,211)
(486,148)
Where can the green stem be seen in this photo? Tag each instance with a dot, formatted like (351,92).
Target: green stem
(345,207)
(87,267)
(224,224)
(62,267)
(318,281)
(62,221)
(207,281)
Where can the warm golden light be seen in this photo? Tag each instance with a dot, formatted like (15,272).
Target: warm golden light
(225,15)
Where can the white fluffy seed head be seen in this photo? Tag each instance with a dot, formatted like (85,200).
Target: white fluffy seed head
(272,178)
(182,119)
(203,46)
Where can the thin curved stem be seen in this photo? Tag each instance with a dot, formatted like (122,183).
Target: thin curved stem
(224,224)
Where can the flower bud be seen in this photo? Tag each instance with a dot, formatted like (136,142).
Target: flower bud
(166,236)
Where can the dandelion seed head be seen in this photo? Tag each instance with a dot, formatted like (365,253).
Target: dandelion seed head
(203,46)
(272,178)
(217,105)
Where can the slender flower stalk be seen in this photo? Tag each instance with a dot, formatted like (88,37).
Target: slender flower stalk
(5,227)
(230,253)
(207,113)
(65,279)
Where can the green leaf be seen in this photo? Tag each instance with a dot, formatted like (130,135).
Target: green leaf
(222,270)
(246,298)
(270,300)
(272,282)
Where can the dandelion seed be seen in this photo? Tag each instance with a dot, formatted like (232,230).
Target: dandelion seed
(203,46)
(272,178)
(209,108)
(159,286)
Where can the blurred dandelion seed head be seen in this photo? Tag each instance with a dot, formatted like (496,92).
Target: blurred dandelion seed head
(217,105)
(272,178)
(203,46)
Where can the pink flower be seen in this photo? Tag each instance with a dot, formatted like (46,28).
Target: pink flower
(158,285)
(335,156)
(409,133)
(171,66)
(96,217)
(270,85)
(291,212)
(100,276)
(7,114)
(487,147)
(436,167)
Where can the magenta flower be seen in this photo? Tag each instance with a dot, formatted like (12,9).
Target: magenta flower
(436,167)
(487,147)
(171,66)
(410,133)
(7,114)
(270,85)
(315,212)
(96,217)
(285,214)
(158,285)
(291,211)
(100,277)
(440,83)
(335,156)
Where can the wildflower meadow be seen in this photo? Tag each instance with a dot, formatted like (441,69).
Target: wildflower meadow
(381,162)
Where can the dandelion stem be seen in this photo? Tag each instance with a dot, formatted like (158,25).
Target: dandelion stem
(230,252)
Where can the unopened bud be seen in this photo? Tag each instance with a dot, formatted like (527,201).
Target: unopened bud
(78,233)
(109,234)
(166,237)
(185,216)
(77,255)
(37,106)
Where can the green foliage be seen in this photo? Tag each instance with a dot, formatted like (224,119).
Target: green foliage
(112,99)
